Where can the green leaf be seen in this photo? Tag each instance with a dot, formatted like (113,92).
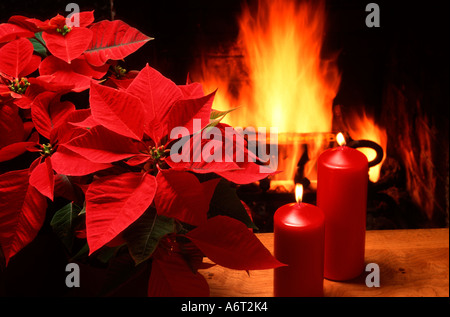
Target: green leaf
(225,202)
(62,225)
(144,234)
(65,222)
(82,211)
(105,254)
(39,44)
(215,117)
(82,253)
(215,114)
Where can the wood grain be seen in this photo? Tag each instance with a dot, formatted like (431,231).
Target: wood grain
(413,263)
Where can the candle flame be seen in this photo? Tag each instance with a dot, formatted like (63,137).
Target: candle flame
(340,139)
(298,193)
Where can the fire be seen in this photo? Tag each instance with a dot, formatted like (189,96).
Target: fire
(298,193)
(282,81)
(340,139)
(364,128)
(420,170)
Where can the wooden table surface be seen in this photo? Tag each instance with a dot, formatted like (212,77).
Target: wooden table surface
(412,262)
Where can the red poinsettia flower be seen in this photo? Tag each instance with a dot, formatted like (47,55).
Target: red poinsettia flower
(23,196)
(133,126)
(16,62)
(67,42)
(24,193)
(48,114)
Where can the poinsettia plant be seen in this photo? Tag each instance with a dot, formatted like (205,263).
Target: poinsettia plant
(111,161)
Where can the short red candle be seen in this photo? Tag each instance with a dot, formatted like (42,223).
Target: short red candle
(342,179)
(299,243)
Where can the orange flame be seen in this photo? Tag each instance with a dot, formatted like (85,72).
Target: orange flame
(340,139)
(365,128)
(288,85)
(420,170)
(298,193)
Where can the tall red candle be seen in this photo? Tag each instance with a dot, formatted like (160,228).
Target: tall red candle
(342,180)
(299,243)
